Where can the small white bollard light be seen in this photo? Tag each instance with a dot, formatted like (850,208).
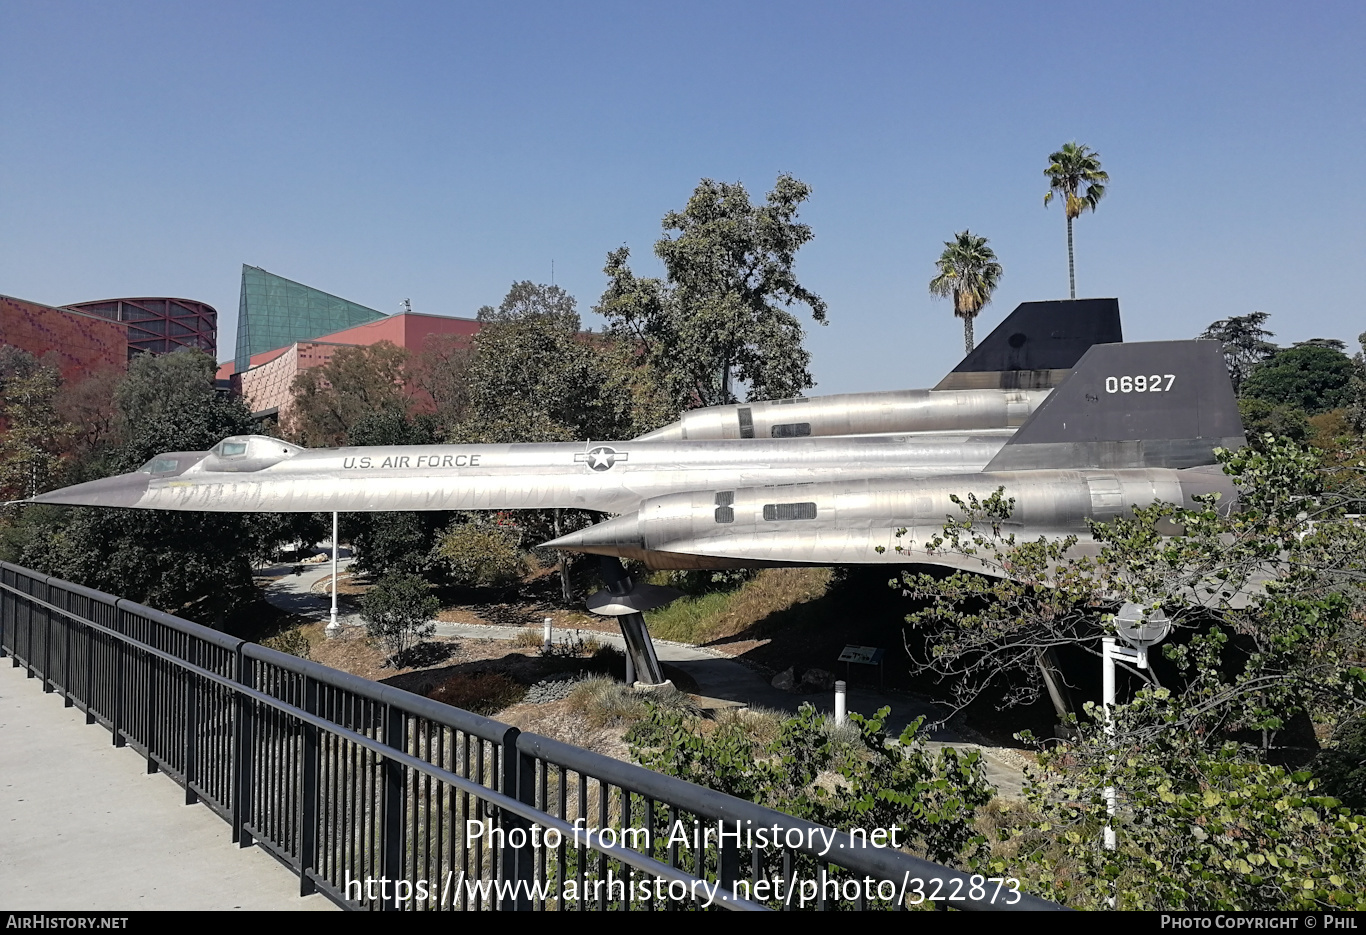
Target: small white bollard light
(548,632)
(841,703)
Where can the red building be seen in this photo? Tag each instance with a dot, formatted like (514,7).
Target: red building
(160,325)
(79,343)
(266,385)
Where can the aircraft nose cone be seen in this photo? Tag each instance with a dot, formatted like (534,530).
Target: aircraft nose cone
(604,538)
(669,433)
(123,490)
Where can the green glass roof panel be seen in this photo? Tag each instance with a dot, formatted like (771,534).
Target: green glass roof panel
(274,312)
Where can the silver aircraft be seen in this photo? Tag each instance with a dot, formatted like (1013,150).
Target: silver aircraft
(1128,425)
(998,385)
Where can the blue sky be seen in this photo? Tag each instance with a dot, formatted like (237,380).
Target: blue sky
(440,151)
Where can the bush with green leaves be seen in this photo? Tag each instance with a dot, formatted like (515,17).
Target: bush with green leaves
(481,555)
(398,612)
(812,772)
(1266,603)
(1195,829)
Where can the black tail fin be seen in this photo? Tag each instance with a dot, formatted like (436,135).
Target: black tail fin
(1162,404)
(1037,345)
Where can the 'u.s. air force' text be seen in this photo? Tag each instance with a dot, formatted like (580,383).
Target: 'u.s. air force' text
(412,462)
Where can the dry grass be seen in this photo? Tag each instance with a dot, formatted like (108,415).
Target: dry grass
(483,692)
(723,614)
(605,702)
(352,652)
(529,638)
(559,720)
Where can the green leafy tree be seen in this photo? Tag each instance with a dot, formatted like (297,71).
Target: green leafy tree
(1278,420)
(968,274)
(1265,602)
(398,613)
(194,564)
(1311,377)
(721,314)
(1244,341)
(1075,173)
(168,402)
(1356,388)
(535,377)
(439,372)
(33,434)
(356,382)
(1198,830)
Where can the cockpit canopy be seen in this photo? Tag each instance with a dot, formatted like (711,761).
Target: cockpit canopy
(248,453)
(170,463)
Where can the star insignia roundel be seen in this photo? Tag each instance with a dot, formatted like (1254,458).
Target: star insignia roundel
(601,458)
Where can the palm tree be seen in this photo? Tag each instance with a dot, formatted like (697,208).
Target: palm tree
(1075,171)
(968,272)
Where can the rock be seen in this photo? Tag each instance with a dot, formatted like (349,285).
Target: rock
(785,680)
(818,680)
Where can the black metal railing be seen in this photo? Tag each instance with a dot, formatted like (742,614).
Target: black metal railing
(382,799)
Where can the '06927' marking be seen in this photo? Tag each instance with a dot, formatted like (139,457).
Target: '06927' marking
(1155,383)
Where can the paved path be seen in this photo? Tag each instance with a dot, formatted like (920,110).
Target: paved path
(717,675)
(83,827)
(295,594)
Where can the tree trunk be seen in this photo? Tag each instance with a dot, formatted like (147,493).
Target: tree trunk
(1071,268)
(968,343)
(1047,660)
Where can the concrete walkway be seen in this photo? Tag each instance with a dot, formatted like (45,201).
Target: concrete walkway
(294,593)
(83,827)
(717,675)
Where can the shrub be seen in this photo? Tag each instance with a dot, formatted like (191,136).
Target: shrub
(481,556)
(398,612)
(869,781)
(290,641)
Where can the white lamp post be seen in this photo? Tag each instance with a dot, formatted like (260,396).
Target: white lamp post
(333,627)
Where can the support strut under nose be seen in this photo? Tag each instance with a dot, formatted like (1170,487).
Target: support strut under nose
(627,601)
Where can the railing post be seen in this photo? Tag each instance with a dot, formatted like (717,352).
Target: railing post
(242,754)
(308,795)
(394,799)
(518,780)
(116,715)
(66,663)
(90,675)
(191,721)
(28,644)
(150,704)
(47,648)
(728,862)
(4,613)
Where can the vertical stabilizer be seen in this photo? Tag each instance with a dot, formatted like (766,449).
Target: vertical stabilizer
(1159,404)
(1037,345)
